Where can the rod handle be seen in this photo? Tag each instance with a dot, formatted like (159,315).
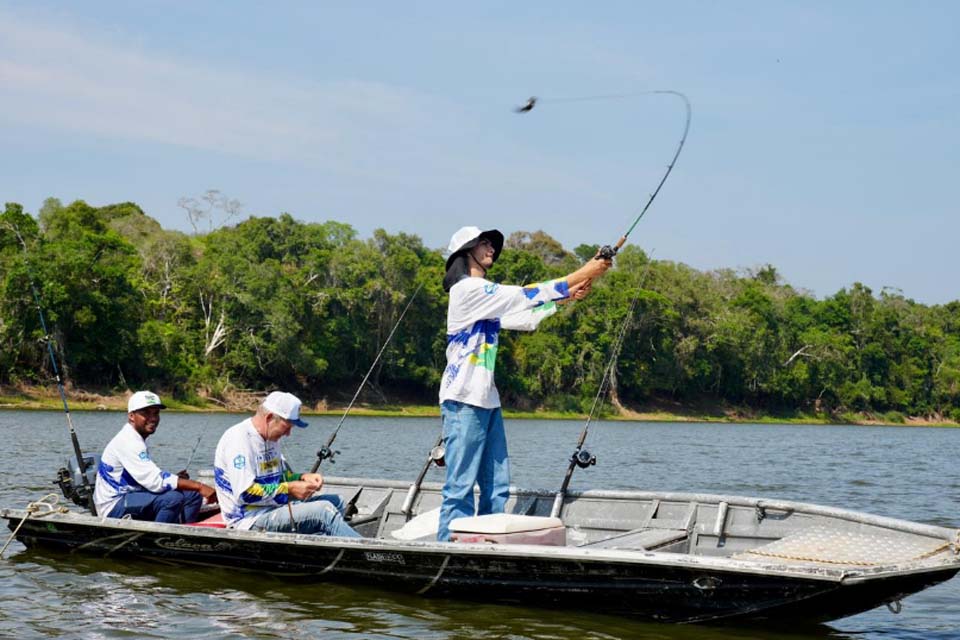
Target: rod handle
(408,501)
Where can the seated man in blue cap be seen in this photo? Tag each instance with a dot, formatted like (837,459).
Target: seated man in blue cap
(255,487)
(129,483)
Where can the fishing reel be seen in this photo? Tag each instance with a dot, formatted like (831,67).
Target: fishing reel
(72,484)
(607,252)
(583,458)
(326,453)
(438,455)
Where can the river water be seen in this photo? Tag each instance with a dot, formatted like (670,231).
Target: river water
(904,472)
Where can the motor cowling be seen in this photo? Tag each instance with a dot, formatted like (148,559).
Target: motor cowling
(70,480)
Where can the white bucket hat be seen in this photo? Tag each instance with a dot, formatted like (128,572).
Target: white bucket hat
(468,237)
(285,405)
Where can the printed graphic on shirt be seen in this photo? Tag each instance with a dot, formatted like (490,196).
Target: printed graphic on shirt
(478,347)
(248,475)
(553,288)
(477,311)
(485,356)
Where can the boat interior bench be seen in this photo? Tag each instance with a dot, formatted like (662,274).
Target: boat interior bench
(658,531)
(641,539)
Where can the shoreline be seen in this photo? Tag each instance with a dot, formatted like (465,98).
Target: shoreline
(47,399)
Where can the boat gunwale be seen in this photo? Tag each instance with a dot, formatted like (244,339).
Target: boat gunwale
(948,534)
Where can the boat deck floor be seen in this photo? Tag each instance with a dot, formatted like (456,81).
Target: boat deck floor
(821,546)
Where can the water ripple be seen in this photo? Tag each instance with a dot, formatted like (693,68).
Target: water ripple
(896,472)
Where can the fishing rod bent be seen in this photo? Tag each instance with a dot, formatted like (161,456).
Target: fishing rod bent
(608,252)
(581,457)
(82,495)
(326,452)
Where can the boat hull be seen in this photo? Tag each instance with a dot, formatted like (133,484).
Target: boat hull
(648,586)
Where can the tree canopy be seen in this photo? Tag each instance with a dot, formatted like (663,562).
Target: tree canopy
(275,302)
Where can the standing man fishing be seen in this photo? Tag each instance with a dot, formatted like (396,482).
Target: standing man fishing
(476,446)
(130,483)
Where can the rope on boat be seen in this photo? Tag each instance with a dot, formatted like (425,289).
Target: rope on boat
(432,582)
(125,538)
(332,564)
(43,507)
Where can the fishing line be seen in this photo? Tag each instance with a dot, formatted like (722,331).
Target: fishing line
(326,452)
(284,469)
(82,495)
(581,457)
(203,432)
(608,251)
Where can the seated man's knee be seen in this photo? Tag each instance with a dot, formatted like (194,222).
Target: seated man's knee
(172,498)
(336,501)
(324,511)
(329,507)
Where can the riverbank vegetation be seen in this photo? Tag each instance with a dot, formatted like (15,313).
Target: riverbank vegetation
(214,318)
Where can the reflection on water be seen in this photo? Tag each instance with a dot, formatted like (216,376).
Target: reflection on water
(151,600)
(900,472)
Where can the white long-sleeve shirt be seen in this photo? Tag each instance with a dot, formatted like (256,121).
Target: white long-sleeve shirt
(125,466)
(478,309)
(249,474)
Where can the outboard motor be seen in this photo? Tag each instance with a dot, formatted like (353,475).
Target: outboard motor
(71,482)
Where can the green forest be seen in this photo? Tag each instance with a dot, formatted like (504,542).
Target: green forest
(272,302)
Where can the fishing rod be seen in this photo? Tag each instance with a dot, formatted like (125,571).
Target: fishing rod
(81,495)
(326,452)
(581,457)
(607,252)
(195,447)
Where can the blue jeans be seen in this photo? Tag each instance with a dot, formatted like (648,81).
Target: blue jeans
(476,453)
(179,507)
(322,515)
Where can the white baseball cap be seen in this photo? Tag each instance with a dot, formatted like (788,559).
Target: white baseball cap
(468,237)
(285,405)
(142,400)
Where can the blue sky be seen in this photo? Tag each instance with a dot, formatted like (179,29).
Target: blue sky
(825,136)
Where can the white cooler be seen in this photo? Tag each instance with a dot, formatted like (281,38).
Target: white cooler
(508,528)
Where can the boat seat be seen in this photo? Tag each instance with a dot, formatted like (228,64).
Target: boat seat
(640,539)
(509,528)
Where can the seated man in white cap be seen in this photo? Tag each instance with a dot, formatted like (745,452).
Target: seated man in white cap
(129,483)
(476,446)
(256,489)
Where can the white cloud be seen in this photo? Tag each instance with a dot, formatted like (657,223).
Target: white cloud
(77,80)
